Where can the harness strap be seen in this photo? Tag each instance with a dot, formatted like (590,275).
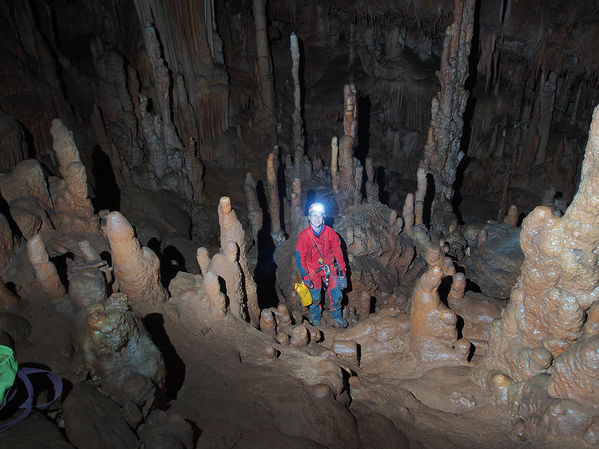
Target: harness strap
(27,405)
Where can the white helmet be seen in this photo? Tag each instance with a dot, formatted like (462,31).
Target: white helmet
(316,208)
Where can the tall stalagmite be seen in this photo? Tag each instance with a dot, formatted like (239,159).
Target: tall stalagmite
(265,79)
(541,342)
(348,194)
(231,230)
(442,153)
(298,124)
(137,269)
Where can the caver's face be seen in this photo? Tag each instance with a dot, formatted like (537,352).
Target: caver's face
(316,219)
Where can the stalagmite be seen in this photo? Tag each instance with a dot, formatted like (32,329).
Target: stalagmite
(73,211)
(442,154)
(347,182)
(137,269)
(225,265)
(364,306)
(232,230)
(273,198)
(268,324)
(255,213)
(512,216)
(419,197)
(334,164)
(408,214)
(298,123)
(372,189)
(265,77)
(434,336)
(216,298)
(26,180)
(203,259)
(120,355)
(299,337)
(45,271)
(550,320)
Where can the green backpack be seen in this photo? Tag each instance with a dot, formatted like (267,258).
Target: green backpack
(8,372)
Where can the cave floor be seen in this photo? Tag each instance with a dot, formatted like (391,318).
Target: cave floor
(237,397)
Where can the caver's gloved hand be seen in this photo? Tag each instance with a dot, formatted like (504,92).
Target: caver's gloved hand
(308,282)
(342,280)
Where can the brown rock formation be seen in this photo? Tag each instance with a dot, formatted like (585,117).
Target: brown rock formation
(348,193)
(120,354)
(442,153)
(272,165)
(434,336)
(542,343)
(45,271)
(73,211)
(137,269)
(255,213)
(225,265)
(216,298)
(26,192)
(231,230)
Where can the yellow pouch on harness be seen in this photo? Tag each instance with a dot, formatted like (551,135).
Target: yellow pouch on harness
(304,293)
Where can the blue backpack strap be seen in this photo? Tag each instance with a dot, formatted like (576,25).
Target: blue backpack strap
(56,382)
(27,404)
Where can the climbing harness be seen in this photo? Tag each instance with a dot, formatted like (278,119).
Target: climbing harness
(341,281)
(9,374)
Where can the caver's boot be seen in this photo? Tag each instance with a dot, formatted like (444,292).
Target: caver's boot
(341,322)
(315,314)
(336,312)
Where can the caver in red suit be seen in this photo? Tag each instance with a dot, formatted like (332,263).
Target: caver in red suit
(318,248)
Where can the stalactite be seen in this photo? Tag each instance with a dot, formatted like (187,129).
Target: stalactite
(192,50)
(283,11)
(410,107)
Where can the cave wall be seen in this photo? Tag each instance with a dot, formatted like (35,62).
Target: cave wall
(532,87)
(157,110)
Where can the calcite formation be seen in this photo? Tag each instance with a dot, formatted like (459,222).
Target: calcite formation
(45,270)
(216,298)
(73,211)
(545,343)
(434,337)
(26,192)
(136,268)
(121,355)
(7,243)
(225,265)
(231,230)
